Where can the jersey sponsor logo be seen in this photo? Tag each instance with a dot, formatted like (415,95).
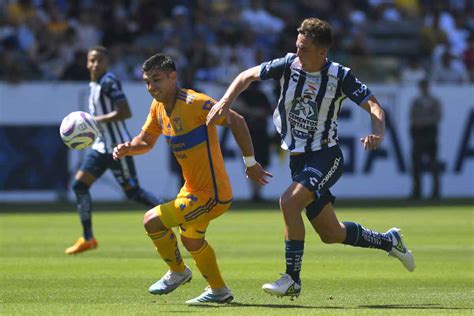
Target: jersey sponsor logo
(330,173)
(303,116)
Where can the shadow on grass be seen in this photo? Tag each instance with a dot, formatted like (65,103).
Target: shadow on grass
(412,306)
(293,306)
(236,304)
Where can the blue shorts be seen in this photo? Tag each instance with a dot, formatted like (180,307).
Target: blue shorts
(318,171)
(123,169)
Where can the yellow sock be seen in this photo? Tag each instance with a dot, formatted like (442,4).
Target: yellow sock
(167,246)
(205,259)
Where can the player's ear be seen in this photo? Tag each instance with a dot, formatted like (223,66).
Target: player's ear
(174,75)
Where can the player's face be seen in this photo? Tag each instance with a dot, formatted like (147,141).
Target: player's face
(307,51)
(160,83)
(96,64)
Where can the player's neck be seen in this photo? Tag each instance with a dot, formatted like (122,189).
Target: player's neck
(95,77)
(314,65)
(170,101)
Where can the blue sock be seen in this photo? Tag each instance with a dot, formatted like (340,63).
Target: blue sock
(359,236)
(294,258)
(84,208)
(141,196)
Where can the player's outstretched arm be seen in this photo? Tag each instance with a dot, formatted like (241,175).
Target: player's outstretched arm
(139,145)
(241,133)
(121,112)
(240,83)
(377,115)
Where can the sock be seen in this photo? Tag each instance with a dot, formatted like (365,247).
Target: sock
(359,236)
(294,258)
(84,208)
(206,262)
(167,246)
(141,196)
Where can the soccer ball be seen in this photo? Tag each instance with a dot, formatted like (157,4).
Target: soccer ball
(78,130)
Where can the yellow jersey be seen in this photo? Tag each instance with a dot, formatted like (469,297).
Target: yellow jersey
(195,145)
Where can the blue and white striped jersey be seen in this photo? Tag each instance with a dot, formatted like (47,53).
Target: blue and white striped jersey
(309,103)
(104,94)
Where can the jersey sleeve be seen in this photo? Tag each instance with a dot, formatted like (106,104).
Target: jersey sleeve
(355,90)
(113,89)
(205,104)
(152,124)
(273,69)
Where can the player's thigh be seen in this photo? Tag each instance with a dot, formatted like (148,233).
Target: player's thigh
(92,168)
(191,212)
(197,219)
(318,172)
(124,172)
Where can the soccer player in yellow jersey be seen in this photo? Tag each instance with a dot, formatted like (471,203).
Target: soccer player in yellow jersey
(180,116)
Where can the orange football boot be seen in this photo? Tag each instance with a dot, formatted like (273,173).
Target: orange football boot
(81,245)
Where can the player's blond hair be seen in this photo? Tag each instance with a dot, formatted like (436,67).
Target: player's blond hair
(320,31)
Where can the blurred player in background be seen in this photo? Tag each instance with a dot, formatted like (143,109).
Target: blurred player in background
(254,105)
(425,115)
(312,91)
(180,115)
(109,106)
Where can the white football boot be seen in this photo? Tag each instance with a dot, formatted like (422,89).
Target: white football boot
(285,286)
(219,296)
(400,251)
(170,281)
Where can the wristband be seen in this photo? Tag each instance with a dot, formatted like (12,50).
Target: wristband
(249,161)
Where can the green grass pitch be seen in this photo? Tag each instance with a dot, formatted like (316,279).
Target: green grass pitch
(37,278)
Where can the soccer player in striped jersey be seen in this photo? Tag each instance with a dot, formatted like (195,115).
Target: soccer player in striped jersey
(109,106)
(180,116)
(312,91)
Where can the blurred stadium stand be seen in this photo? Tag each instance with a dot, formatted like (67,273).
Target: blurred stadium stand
(46,39)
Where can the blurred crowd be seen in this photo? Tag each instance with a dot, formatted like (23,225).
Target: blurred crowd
(213,40)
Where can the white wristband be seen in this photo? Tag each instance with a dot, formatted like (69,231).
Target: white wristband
(249,161)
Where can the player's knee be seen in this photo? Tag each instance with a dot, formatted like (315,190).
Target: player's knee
(289,204)
(152,222)
(192,244)
(285,201)
(80,187)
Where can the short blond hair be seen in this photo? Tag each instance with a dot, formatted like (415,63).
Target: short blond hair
(320,31)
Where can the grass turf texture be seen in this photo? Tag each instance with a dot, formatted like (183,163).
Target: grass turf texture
(38,278)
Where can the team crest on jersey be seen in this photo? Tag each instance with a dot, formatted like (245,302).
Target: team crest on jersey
(331,88)
(178,124)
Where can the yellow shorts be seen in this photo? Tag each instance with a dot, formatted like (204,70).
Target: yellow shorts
(192,212)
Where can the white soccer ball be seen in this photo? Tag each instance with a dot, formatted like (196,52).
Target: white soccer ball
(78,130)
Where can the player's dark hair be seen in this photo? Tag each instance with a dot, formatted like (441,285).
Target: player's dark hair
(320,31)
(159,61)
(100,49)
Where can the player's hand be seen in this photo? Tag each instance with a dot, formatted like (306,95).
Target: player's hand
(121,150)
(258,174)
(371,141)
(217,111)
